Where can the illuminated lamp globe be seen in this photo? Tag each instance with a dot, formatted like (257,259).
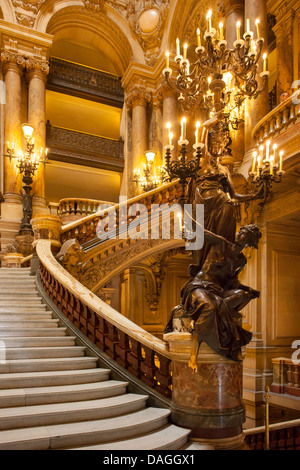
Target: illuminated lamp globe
(150,156)
(27,130)
(148,21)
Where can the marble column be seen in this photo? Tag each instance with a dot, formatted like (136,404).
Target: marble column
(37,71)
(255,109)
(169,114)
(234,11)
(13,66)
(137,100)
(284,32)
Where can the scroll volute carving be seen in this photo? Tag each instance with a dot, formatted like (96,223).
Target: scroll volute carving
(70,256)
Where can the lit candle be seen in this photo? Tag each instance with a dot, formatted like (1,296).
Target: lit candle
(254,161)
(258,165)
(271,164)
(198,37)
(267,149)
(261,151)
(257,27)
(265,62)
(274,151)
(238,31)
(170,138)
(197,131)
(168,59)
(280,160)
(168,126)
(221,31)
(187,67)
(185,50)
(248,25)
(177,47)
(183,128)
(208,17)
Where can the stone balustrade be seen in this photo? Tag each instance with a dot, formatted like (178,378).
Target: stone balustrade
(286,375)
(71,209)
(277,121)
(85,229)
(282,436)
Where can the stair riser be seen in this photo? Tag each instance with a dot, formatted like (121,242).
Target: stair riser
(59,442)
(64,397)
(70,417)
(9,368)
(16,317)
(26,353)
(30,342)
(31,332)
(33,382)
(28,324)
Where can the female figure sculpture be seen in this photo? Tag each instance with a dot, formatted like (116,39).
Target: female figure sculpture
(214,188)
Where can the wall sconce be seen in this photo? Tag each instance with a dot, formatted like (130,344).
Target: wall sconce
(151,179)
(27,164)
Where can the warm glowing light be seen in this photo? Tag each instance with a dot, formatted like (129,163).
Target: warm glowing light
(27,130)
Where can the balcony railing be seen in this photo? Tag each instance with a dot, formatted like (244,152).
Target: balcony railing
(278,120)
(84,149)
(85,82)
(286,374)
(283,436)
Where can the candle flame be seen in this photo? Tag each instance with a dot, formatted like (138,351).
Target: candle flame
(208,14)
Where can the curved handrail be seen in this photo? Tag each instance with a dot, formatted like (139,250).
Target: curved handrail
(92,301)
(133,200)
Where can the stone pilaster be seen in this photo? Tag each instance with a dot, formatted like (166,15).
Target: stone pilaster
(37,71)
(13,67)
(137,100)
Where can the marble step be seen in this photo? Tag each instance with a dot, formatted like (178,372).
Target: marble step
(58,413)
(8,332)
(46,323)
(169,437)
(28,301)
(44,352)
(50,364)
(20,291)
(25,316)
(14,282)
(83,433)
(52,378)
(34,342)
(61,393)
(20,309)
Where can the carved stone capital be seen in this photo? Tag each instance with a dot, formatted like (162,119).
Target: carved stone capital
(96,5)
(28,5)
(37,67)
(12,60)
(138,97)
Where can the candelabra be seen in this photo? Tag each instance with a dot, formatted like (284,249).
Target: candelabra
(266,169)
(151,178)
(27,164)
(220,78)
(182,168)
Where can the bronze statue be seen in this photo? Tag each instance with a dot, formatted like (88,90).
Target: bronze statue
(213,298)
(214,189)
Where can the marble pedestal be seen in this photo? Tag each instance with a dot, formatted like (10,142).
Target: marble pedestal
(208,401)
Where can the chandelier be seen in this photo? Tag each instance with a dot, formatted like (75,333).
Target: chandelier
(27,163)
(220,78)
(266,167)
(151,178)
(182,168)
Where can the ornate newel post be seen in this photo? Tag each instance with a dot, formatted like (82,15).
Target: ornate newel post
(45,227)
(208,401)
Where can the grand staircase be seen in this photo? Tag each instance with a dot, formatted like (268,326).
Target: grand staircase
(54,396)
